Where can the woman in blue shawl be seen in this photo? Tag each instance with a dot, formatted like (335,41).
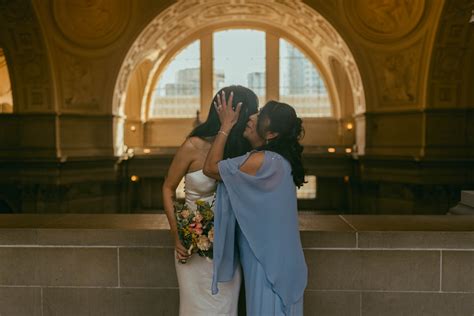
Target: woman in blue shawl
(256,220)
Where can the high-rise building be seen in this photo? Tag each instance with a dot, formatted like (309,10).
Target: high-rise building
(256,82)
(219,79)
(188,81)
(303,77)
(296,69)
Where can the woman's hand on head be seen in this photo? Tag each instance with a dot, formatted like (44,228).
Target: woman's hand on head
(227,115)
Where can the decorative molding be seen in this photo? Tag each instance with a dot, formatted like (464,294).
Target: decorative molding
(398,75)
(92,23)
(77,75)
(448,63)
(29,68)
(451,53)
(185,18)
(383,21)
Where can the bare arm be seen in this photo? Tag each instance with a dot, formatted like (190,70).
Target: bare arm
(178,168)
(228,118)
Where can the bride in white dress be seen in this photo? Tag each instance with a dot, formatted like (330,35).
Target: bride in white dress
(195,275)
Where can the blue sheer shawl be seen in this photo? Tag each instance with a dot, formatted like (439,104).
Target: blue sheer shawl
(265,207)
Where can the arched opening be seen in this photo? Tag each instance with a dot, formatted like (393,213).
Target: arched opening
(6,96)
(318,42)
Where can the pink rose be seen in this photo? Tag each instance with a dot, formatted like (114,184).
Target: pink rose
(196,228)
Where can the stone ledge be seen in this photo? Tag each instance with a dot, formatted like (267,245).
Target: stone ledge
(317,231)
(307,222)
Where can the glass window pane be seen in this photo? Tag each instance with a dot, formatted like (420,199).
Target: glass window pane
(6,98)
(308,190)
(239,59)
(301,84)
(177,94)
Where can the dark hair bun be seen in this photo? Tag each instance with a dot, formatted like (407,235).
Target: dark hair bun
(283,120)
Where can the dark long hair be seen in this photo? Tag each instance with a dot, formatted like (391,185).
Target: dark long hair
(281,118)
(236,144)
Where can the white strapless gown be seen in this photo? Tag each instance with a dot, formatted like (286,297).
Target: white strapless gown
(195,276)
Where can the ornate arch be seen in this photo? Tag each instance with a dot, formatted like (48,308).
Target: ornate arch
(293,20)
(449,82)
(29,66)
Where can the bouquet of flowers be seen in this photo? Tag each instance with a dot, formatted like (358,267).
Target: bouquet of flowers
(196,228)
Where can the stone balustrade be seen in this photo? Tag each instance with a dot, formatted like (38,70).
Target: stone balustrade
(123,265)
(465,206)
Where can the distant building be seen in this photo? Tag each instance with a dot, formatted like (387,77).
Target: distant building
(219,79)
(182,98)
(303,77)
(296,69)
(187,83)
(256,82)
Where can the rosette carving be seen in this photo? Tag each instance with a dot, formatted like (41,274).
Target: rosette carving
(91,23)
(380,20)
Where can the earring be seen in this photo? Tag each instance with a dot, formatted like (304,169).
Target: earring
(266,141)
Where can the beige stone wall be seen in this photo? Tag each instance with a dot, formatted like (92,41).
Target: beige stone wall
(123,265)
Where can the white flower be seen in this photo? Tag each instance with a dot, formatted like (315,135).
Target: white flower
(185,214)
(203,243)
(210,235)
(198,218)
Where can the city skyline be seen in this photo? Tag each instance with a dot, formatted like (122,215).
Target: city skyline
(236,64)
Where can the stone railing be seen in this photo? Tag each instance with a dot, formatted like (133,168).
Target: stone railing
(465,206)
(123,265)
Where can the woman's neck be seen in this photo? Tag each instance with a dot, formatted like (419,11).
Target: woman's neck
(257,143)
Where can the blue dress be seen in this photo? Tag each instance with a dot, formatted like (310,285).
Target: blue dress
(256,222)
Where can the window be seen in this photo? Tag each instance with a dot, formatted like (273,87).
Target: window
(239,58)
(301,84)
(177,93)
(308,190)
(6,98)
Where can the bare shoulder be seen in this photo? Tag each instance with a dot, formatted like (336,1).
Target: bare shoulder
(198,143)
(256,156)
(187,148)
(253,163)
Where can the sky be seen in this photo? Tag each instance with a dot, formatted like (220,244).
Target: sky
(236,52)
